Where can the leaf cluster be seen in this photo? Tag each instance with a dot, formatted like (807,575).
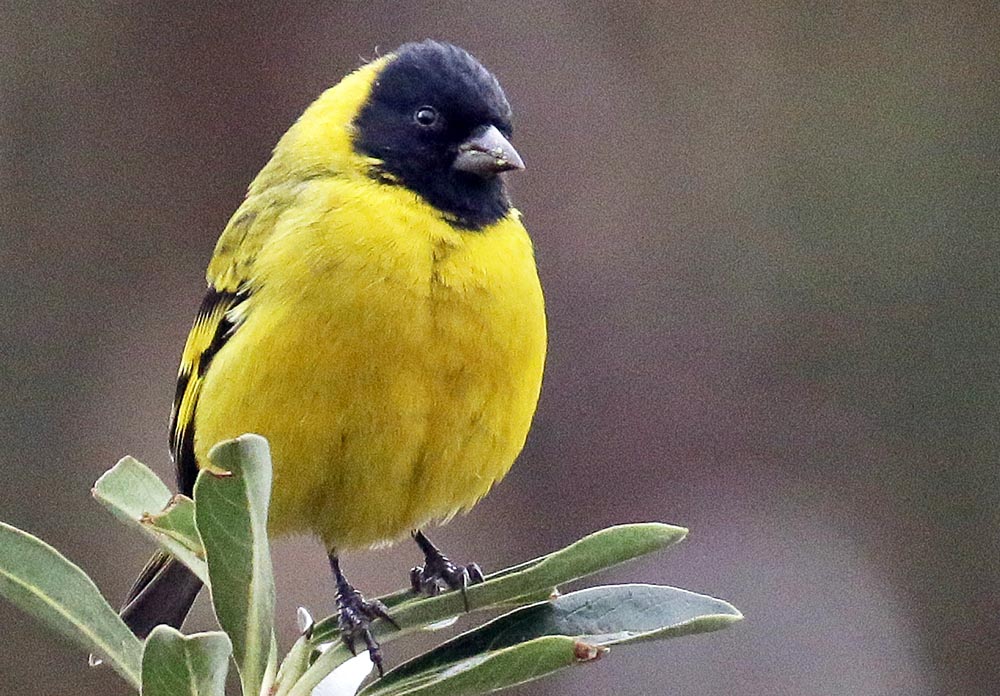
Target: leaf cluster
(222,536)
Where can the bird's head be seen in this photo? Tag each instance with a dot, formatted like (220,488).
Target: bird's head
(438,123)
(428,117)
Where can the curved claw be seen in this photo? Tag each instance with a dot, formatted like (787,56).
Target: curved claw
(441,575)
(355,616)
(355,619)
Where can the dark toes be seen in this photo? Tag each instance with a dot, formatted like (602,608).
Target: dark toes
(376,610)
(349,642)
(374,651)
(355,619)
(440,574)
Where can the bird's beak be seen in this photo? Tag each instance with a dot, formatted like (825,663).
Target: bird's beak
(487,153)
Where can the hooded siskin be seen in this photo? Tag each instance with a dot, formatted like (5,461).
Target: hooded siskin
(373,310)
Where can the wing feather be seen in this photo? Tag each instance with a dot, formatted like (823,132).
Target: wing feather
(230,280)
(214,324)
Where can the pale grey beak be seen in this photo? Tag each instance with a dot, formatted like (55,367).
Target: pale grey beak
(487,153)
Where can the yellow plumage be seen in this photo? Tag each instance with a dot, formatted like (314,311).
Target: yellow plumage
(373,310)
(392,358)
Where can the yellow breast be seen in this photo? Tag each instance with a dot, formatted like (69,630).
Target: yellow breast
(393,362)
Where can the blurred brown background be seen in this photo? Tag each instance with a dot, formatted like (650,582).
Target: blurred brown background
(769,240)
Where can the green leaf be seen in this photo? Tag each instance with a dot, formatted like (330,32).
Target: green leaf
(617,614)
(271,668)
(293,666)
(328,661)
(491,671)
(346,679)
(526,581)
(296,662)
(520,584)
(231,500)
(594,618)
(174,664)
(41,581)
(137,496)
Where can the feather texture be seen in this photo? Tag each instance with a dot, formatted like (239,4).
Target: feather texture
(213,326)
(373,310)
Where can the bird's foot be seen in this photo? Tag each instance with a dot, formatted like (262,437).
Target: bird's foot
(355,616)
(439,574)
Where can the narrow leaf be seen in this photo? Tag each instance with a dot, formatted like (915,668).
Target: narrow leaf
(618,614)
(525,582)
(598,617)
(231,502)
(174,664)
(296,662)
(333,655)
(267,686)
(135,495)
(497,669)
(522,584)
(44,583)
(346,679)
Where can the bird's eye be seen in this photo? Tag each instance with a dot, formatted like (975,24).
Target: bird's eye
(426,116)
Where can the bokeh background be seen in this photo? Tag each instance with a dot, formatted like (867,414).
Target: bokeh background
(769,238)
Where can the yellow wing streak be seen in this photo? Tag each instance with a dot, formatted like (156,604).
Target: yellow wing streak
(212,327)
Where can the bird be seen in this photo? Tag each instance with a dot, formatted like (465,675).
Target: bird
(374,310)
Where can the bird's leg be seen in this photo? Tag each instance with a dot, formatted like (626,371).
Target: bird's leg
(439,574)
(355,615)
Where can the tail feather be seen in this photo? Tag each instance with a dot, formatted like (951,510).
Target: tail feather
(162,594)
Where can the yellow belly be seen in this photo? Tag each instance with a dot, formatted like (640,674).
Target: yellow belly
(394,365)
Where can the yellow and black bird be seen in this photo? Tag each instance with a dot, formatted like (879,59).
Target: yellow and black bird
(374,310)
